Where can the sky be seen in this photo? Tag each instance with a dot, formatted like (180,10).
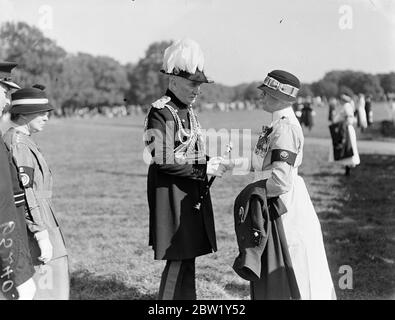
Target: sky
(242,40)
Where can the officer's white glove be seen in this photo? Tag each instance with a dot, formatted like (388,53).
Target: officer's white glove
(27,290)
(215,168)
(45,245)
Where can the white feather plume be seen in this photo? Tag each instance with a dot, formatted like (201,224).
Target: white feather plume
(185,55)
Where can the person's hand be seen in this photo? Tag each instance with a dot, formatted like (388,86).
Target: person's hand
(229,164)
(215,168)
(45,245)
(26,290)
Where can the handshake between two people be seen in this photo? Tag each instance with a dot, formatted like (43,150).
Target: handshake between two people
(217,166)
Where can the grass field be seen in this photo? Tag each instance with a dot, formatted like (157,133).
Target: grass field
(100,196)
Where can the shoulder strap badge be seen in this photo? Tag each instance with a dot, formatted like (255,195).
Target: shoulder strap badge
(160,103)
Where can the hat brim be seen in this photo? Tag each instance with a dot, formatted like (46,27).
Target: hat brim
(10,84)
(277,94)
(30,109)
(196,77)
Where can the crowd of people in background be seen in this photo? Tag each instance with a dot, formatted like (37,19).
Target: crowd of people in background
(304,109)
(135,110)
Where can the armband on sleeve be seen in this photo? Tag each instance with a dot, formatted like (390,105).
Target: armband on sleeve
(26,176)
(284,156)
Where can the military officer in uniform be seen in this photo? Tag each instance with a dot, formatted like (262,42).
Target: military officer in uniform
(179,229)
(16,268)
(29,114)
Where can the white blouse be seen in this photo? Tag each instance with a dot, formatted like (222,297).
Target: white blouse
(284,133)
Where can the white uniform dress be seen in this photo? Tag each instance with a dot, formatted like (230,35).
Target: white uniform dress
(347,114)
(301,225)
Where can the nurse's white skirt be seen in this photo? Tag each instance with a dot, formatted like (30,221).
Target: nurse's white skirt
(306,247)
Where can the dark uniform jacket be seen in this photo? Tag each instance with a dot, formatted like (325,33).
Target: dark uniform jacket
(263,249)
(177,231)
(37,180)
(15,261)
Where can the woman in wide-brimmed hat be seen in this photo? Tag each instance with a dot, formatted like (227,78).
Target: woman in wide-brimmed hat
(275,159)
(29,113)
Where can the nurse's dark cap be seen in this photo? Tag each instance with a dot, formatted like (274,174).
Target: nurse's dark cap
(282,85)
(30,100)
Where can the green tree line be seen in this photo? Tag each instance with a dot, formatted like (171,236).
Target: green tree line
(83,80)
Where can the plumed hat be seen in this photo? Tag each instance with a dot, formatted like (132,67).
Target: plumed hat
(29,100)
(282,85)
(5,74)
(185,59)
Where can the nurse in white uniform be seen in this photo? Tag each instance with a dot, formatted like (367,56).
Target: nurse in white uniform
(276,157)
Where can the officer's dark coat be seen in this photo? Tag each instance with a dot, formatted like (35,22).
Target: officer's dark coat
(263,250)
(176,230)
(15,261)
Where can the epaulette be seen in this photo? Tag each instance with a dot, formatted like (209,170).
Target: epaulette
(160,103)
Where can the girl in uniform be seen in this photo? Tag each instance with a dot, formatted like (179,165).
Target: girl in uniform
(29,114)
